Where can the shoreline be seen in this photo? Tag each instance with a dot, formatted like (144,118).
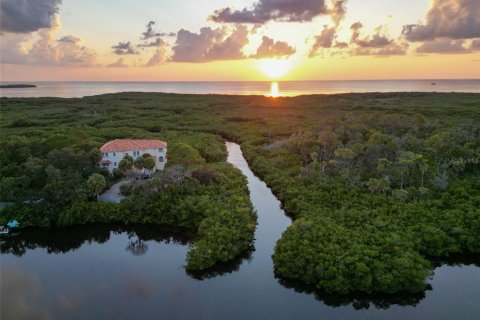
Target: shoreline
(280,97)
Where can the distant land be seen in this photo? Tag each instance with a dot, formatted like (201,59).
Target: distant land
(17,86)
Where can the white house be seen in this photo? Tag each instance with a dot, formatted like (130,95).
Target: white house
(114,151)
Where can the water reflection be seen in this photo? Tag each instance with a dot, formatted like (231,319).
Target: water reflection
(223,268)
(19,293)
(274,90)
(64,240)
(384,301)
(139,285)
(136,246)
(357,300)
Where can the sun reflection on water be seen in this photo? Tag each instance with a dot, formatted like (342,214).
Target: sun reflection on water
(274,90)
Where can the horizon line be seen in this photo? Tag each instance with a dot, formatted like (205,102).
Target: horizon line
(213,81)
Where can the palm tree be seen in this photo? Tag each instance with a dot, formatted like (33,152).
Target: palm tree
(96,183)
(125,164)
(149,163)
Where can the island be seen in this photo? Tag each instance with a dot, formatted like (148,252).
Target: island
(379,185)
(17,86)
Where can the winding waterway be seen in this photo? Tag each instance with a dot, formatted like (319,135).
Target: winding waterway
(136,272)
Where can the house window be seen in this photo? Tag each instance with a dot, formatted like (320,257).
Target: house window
(160,149)
(106,154)
(115,164)
(114,154)
(160,159)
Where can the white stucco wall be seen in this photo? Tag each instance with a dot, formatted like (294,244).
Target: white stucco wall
(116,157)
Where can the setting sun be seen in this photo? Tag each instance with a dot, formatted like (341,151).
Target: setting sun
(275,68)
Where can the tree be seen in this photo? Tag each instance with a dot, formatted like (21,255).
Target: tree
(12,187)
(95,155)
(384,167)
(184,154)
(205,175)
(378,185)
(125,165)
(96,183)
(406,161)
(34,169)
(139,164)
(149,163)
(175,174)
(423,166)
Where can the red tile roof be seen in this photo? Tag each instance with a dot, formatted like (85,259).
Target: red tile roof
(132,145)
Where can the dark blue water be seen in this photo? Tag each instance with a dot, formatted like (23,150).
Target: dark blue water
(136,272)
(286,88)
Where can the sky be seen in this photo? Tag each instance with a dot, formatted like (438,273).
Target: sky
(215,40)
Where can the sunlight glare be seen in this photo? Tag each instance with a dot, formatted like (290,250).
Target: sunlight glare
(275,67)
(274,90)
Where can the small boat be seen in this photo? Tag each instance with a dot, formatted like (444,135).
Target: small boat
(13,224)
(4,230)
(433,84)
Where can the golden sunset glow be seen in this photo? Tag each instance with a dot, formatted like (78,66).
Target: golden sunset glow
(275,68)
(287,41)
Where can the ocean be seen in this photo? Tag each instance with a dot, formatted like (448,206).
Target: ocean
(281,88)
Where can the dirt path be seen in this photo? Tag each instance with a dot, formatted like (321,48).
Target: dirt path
(113,194)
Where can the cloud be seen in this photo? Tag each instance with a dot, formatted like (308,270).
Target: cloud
(270,48)
(71,51)
(442,45)
(161,54)
(475,45)
(69,39)
(68,50)
(12,49)
(376,40)
(151,33)
(25,16)
(377,44)
(231,47)
(157,43)
(324,40)
(210,44)
(453,19)
(118,64)
(124,48)
(160,57)
(393,49)
(280,10)
(339,10)
(341,45)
